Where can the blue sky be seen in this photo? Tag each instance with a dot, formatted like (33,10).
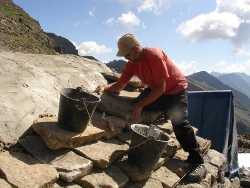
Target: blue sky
(197,35)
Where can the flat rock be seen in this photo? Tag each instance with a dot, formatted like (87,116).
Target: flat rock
(56,137)
(177,166)
(21,170)
(4,184)
(204,144)
(127,96)
(69,165)
(215,158)
(135,81)
(108,104)
(99,122)
(166,177)
(109,177)
(103,152)
(164,125)
(149,183)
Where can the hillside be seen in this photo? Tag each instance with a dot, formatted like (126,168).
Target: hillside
(19,32)
(236,81)
(63,45)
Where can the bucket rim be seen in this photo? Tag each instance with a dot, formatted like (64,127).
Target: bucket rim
(146,126)
(96,97)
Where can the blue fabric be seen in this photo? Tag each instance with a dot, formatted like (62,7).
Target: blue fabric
(212,113)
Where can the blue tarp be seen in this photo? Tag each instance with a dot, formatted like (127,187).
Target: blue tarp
(212,113)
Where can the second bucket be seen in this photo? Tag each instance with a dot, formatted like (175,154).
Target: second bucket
(76,108)
(145,152)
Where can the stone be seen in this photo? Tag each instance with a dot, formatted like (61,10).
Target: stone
(133,172)
(4,184)
(69,165)
(103,152)
(109,105)
(164,125)
(150,116)
(215,158)
(177,166)
(148,183)
(166,177)
(135,81)
(171,149)
(125,136)
(21,170)
(56,137)
(181,154)
(127,96)
(99,122)
(112,176)
(204,144)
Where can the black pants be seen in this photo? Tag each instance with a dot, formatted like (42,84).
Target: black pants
(176,106)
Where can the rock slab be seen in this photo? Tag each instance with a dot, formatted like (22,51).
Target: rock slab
(21,170)
(56,137)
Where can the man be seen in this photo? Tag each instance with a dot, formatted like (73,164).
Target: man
(166,91)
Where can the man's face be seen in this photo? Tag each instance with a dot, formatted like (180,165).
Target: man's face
(133,55)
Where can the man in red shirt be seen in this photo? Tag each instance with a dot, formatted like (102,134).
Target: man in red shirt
(166,91)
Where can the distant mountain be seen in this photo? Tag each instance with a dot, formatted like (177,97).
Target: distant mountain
(63,45)
(238,81)
(116,65)
(206,78)
(216,74)
(235,81)
(244,76)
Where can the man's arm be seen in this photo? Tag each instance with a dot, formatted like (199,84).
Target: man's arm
(112,88)
(151,97)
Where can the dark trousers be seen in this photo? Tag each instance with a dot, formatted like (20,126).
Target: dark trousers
(176,107)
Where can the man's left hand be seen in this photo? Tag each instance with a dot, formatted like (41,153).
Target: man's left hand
(136,111)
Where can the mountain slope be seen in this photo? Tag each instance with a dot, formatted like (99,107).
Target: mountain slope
(210,80)
(64,44)
(19,32)
(235,81)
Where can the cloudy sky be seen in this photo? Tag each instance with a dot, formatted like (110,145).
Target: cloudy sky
(197,35)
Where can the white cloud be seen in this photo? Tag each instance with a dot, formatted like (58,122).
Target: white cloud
(92,12)
(90,48)
(187,68)
(210,26)
(230,20)
(128,20)
(77,23)
(155,6)
(109,22)
(221,64)
(224,67)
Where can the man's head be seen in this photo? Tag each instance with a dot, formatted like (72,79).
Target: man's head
(126,44)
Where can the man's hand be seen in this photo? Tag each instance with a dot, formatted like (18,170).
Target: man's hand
(136,110)
(99,90)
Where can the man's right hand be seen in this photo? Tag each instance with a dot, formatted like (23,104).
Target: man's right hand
(99,90)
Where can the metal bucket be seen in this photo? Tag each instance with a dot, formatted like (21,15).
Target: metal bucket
(144,151)
(76,108)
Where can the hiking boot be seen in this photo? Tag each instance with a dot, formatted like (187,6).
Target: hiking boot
(197,172)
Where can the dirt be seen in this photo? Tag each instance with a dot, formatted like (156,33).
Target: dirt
(244,143)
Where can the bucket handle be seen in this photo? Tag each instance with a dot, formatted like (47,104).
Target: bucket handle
(84,106)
